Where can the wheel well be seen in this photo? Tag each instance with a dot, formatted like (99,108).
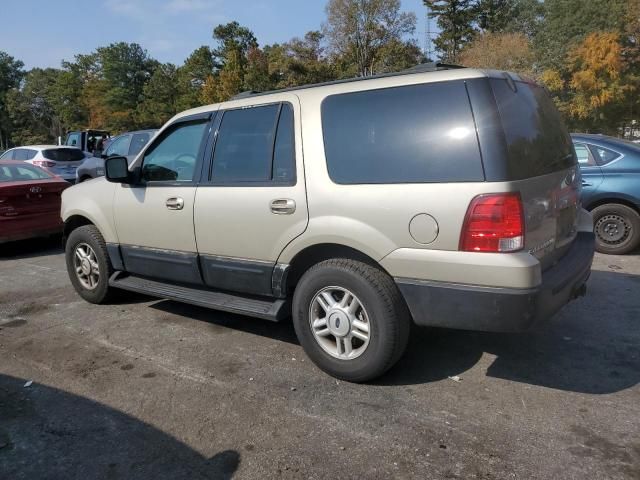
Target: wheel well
(619,201)
(308,257)
(72,223)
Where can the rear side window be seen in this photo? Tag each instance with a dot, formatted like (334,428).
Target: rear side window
(605,155)
(14,173)
(73,140)
(537,139)
(413,134)
(24,154)
(255,145)
(63,154)
(138,141)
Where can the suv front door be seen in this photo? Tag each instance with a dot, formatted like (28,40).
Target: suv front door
(154,218)
(252,200)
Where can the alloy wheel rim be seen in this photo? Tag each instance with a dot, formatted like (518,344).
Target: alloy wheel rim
(613,229)
(339,323)
(85,263)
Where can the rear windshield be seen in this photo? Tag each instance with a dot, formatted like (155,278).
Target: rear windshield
(26,172)
(537,139)
(411,134)
(63,154)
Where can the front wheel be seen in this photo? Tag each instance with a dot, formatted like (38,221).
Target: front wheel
(350,319)
(617,229)
(88,264)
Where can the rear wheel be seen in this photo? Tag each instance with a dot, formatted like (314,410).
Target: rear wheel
(350,319)
(88,264)
(617,229)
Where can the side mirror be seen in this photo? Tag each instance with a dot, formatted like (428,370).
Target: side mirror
(117,170)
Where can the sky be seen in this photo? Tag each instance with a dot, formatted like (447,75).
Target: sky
(42,33)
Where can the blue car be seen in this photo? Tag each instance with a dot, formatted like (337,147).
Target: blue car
(610,170)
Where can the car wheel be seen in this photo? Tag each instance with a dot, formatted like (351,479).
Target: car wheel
(88,264)
(617,229)
(350,319)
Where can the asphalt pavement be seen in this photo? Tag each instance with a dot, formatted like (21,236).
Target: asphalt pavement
(155,389)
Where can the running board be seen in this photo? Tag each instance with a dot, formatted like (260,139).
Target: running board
(273,310)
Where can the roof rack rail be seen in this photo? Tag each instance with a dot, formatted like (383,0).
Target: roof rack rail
(421,68)
(245,94)
(432,67)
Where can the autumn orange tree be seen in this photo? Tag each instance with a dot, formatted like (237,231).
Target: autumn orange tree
(596,85)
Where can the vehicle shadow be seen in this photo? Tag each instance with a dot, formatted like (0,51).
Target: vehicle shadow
(281,331)
(31,248)
(589,347)
(40,438)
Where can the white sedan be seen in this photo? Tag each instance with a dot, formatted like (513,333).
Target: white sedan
(59,160)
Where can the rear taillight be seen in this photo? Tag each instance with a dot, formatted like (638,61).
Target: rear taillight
(44,163)
(494,223)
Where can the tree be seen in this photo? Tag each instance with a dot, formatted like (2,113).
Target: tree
(568,22)
(595,85)
(31,108)
(500,51)
(299,62)
(159,97)
(512,16)
(358,30)
(455,18)
(232,37)
(192,77)
(11,73)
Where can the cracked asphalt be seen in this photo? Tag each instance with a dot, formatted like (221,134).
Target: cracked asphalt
(149,388)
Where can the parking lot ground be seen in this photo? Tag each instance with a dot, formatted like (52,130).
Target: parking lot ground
(155,389)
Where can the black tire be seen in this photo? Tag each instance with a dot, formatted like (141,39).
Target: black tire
(617,229)
(388,317)
(90,235)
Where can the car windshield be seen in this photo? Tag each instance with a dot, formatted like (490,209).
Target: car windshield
(22,173)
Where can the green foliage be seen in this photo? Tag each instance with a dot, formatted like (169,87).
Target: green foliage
(11,74)
(456,19)
(360,30)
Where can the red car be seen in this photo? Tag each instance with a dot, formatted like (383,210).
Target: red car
(29,201)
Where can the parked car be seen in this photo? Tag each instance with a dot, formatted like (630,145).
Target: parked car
(29,201)
(357,207)
(61,161)
(91,142)
(127,145)
(610,170)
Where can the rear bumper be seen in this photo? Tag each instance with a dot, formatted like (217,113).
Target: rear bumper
(472,307)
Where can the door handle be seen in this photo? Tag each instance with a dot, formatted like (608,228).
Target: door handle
(282,206)
(585,184)
(175,203)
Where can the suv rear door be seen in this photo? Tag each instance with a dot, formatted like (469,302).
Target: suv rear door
(541,164)
(252,200)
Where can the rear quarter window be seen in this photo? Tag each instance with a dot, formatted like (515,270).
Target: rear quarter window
(411,134)
(537,139)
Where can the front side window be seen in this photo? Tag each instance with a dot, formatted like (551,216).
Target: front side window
(584,155)
(410,134)
(73,140)
(138,141)
(173,157)
(605,155)
(119,147)
(8,155)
